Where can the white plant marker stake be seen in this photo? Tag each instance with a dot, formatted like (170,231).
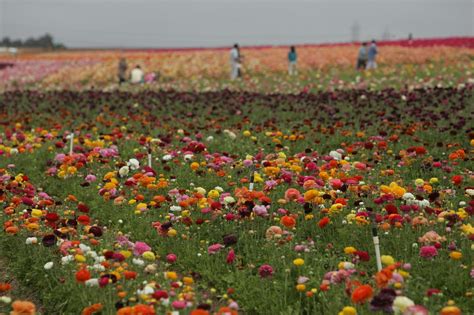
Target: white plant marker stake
(149,155)
(71,145)
(375,238)
(252,178)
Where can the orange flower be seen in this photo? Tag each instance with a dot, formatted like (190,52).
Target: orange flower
(23,308)
(383,277)
(450,310)
(199,312)
(226,310)
(4,287)
(362,293)
(130,274)
(323,222)
(139,309)
(288,221)
(83,275)
(94,308)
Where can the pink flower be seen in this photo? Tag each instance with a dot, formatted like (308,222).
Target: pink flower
(428,252)
(178,304)
(416,310)
(140,247)
(171,258)
(90,178)
(230,256)
(214,248)
(265,271)
(260,211)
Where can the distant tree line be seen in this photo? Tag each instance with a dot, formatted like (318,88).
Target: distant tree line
(45,41)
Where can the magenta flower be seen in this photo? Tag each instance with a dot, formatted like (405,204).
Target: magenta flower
(265,271)
(230,257)
(428,252)
(140,247)
(171,258)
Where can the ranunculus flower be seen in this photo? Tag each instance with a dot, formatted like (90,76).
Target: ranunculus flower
(428,252)
(265,271)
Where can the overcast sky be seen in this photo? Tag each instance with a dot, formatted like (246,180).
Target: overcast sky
(204,23)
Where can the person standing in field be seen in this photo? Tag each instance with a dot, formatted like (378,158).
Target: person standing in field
(235,62)
(292,57)
(362,57)
(122,70)
(371,55)
(137,75)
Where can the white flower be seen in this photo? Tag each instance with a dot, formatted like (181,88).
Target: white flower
(200,190)
(229,199)
(188,157)
(14,151)
(31,240)
(94,282)
(408,196)
(98,267)
(133,164)
(401,303)
(335,155)
(180,131)
(138,262)
(209,139)
(5,299)
(146,290)
(219,188)
(230,134)
(48,265)
(470,192)
(67,259)
(348,265)
(175,208)
(84,248)
(167,157)
(123,171)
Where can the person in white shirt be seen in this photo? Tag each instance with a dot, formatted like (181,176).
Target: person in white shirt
(137,75)
(235,62)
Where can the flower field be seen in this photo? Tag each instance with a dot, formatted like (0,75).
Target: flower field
(423,63)
(200,196)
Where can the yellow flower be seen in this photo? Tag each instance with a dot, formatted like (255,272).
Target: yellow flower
(247,133)
(36,213)
(350,250)
(188,280)
(126,253)
(298,262)
(148,255)
(387,260)
(300,287)
(80,258)
(348,310)
(194,166)
(171,275)
(455,255)
(213,194)
(172,232)
(419,182)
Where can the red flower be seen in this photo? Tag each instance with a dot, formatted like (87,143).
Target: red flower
(457,179)
(323,222)
(362,293)
(288,221)
(363,256)
(230,257)
(83,275)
